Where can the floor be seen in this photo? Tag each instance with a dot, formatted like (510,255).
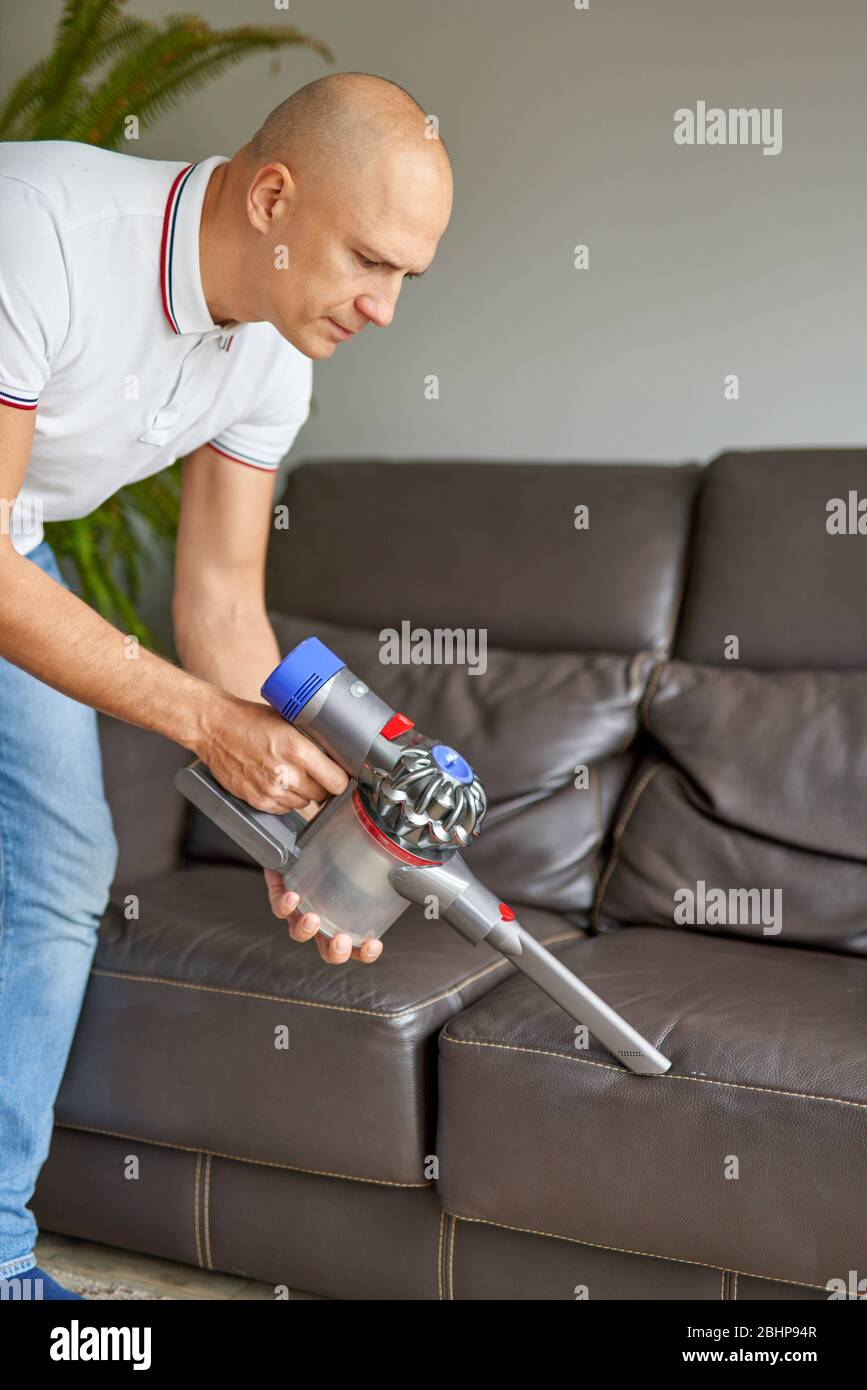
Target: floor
(106,1272)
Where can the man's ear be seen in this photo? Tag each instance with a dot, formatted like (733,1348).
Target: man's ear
(269,196)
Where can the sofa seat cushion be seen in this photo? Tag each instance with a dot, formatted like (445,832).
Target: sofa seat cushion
(748,1154)
(204,1025)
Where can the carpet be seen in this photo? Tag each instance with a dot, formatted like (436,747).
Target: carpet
(93,1288)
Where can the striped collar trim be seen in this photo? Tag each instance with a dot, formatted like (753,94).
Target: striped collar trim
(184,302)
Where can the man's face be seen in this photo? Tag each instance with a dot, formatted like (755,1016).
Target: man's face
(336,238)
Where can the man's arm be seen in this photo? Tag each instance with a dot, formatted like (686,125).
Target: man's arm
(222,632)
(221,623)
(51,633)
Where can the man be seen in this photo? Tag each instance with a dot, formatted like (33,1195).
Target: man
(152,310)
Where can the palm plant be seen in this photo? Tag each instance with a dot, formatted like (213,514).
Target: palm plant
(147,69)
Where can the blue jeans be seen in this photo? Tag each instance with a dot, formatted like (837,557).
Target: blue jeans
(58,856)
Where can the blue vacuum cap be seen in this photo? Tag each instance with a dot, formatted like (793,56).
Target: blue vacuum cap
(300,674)
(451,762)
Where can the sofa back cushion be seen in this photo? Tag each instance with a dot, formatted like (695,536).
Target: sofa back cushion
(491,546)
(780,562)
(750,819)
(547,735)
(569,619)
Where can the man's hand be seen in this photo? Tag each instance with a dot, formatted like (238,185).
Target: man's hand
(336,950)
(257,755)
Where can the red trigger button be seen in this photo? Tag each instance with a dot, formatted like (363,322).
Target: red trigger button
(397,724)
(506,912)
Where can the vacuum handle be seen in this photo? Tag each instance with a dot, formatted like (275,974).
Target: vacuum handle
(273,841)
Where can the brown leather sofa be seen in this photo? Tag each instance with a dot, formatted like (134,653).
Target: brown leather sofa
(431,1130)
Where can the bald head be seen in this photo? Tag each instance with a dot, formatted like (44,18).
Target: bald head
(315,224)
(345,123)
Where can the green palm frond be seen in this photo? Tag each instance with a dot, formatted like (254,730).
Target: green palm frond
(17,118)
(23,97)
(126,31)
(147,70)
(82,25)
(169,63)
(155,67)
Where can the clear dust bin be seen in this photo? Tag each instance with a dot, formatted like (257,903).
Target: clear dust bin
(342,875)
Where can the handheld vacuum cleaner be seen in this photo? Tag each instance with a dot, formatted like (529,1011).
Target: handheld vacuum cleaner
(393,837)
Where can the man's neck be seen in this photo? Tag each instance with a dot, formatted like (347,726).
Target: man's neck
(212,257)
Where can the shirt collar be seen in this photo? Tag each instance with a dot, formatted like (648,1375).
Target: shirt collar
(183,298)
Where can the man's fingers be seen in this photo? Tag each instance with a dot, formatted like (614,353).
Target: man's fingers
(336,950)
(303,926)
(329,776)
(284,904)
(296,779)
(368,951)
(339,949)
(279,897)
(277,805)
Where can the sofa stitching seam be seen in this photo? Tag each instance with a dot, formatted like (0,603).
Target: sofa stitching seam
(575,932)
(452,1237)
(664,1076)
(196,1211)
(206,1211)
(625,1250)
(440,1256)
(258,1162)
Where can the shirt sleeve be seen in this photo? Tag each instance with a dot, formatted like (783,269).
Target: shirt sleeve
(34,293)
(264,436)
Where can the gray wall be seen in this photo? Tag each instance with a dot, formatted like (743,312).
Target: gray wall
(703,261)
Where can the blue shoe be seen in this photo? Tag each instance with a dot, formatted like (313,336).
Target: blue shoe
(27,1286)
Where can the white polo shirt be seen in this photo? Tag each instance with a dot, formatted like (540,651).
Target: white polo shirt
(105,331)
